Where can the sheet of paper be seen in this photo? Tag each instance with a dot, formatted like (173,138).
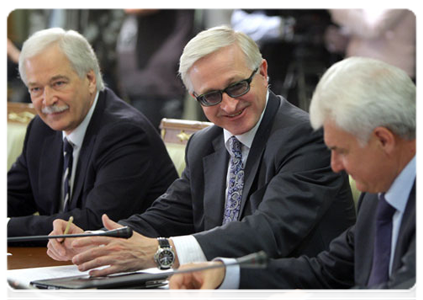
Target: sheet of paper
(22,277)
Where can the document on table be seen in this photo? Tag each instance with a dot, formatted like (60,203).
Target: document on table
(22,277)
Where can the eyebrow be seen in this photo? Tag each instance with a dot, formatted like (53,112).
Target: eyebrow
(54,78)
(231,80)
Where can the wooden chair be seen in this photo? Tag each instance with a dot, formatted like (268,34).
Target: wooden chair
(18,117)
(175,134)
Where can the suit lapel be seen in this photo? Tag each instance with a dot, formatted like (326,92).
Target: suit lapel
(87,149)
(257,148)
(215,170)
(51,168)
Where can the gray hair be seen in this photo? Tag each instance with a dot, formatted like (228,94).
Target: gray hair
(74,46)
(360,94)
(210,41)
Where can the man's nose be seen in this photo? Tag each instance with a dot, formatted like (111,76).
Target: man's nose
(336,162)
(49,96)
(228,103)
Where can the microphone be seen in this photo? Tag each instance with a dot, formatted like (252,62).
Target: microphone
(123,232)
(257,260)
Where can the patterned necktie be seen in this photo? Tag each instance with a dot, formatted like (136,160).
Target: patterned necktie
(382,246)
(67,172)
(236,182)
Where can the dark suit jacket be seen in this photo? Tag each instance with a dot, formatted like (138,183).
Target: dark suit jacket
(122,168)
(349,261)
(292,203)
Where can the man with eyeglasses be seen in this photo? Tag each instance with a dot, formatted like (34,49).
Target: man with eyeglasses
(260,179)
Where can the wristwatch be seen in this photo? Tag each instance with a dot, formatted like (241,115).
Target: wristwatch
(164,256)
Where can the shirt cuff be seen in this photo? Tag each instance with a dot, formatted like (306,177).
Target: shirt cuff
(188,249)
(233,274)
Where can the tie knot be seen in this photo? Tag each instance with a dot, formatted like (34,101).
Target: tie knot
(67,147)
(235,145)
(385,211)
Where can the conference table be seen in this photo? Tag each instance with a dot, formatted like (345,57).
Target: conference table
(36,257)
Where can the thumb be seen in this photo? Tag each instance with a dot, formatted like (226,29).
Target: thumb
(109,224)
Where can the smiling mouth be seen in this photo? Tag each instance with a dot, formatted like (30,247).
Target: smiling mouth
(236,114)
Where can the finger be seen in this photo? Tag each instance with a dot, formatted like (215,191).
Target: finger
(53,255)
(206,290)
(93,258)
(178,287)
(57,248)
(91,241)
(58,227)
(175,283)
(109,224)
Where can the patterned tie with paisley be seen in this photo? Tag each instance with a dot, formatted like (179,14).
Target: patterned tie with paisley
(236,182)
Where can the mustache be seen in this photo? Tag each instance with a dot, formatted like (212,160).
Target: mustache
(54,109)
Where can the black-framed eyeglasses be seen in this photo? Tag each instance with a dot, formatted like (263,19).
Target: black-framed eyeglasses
(235,90)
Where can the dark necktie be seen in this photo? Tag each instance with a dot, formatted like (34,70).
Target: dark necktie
(67,172)
(382,245)
(236,182)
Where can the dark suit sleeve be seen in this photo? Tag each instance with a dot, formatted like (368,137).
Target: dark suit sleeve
(124,173)
(331,269)
(171,214)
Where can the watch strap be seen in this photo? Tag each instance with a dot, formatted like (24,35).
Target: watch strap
(163,242)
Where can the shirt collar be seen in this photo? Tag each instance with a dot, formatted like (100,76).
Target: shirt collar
(76,137)
(398,193)
(247,138)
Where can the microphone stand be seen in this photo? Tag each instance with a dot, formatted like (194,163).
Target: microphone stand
(256,260)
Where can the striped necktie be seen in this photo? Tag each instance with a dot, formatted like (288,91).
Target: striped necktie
(67,172)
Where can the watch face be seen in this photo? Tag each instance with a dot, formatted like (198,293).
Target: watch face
(165,258)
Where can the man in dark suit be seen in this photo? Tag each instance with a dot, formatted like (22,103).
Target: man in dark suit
(368,111)
(282,195)
(120,164)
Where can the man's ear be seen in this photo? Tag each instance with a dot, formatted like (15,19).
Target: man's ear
(92,81)
(263,69)
(385,139)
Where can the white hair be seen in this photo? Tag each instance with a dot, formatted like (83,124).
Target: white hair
(212,40)
(75,47)
(360,94)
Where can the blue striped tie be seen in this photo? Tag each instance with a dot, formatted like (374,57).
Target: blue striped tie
(67,172)
(236,182)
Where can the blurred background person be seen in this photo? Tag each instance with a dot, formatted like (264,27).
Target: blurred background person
(385,34)
(293,43)
(99,26)
(149,45)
